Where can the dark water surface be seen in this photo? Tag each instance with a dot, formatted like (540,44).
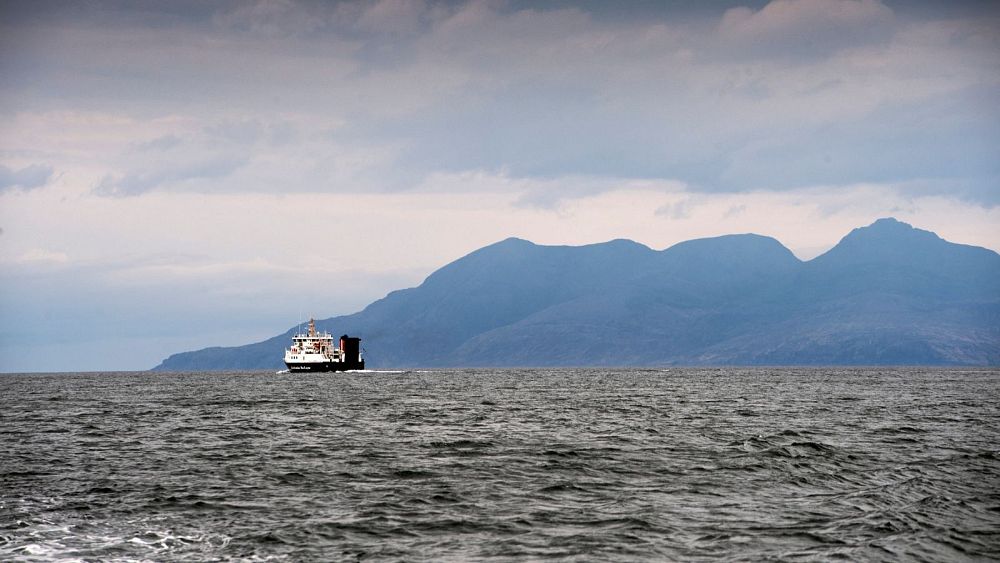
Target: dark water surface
(683,464)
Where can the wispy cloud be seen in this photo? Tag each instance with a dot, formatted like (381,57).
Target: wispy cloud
(805,29)
(41,255)
(28,178)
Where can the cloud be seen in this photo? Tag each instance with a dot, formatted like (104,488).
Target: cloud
(675,210)
(175,162)
(393,16)
(158,174)
(805,28)
(27,178)
(164,143)
(538,193)
(384,95)
(272,18)
(40,255)
(735,211)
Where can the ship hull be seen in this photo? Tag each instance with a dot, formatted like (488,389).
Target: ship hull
(324,366)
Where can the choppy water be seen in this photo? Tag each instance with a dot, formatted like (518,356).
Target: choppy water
(707,464)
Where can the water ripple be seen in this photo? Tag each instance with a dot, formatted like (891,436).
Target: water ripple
(682,464)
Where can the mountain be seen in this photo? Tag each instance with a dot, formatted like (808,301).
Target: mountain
(885,294)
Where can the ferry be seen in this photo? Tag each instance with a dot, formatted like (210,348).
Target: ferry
(315,351)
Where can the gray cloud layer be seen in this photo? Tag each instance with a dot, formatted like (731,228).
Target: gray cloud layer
(379,95)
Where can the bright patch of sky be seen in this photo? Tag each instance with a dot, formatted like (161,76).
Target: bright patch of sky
(175,175)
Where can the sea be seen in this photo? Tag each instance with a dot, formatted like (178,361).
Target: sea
(763,464)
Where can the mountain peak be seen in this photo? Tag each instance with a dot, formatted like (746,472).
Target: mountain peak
(890,223)
(512,242)
(885,238)
(891,242)
(891,228)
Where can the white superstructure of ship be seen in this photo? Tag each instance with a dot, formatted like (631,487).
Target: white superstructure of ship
(316,351)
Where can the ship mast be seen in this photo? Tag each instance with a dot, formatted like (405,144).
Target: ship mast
(312,327)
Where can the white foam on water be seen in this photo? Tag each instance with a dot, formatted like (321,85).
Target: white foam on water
(44,540)
(166,541)
(42,550)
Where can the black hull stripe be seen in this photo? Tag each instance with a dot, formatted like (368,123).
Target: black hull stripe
(325,366)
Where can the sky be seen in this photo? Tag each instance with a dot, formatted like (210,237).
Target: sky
(177,175)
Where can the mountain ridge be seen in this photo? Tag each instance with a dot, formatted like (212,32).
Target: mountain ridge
(886,293)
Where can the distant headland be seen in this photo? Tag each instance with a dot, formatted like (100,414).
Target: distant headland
(886,294)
